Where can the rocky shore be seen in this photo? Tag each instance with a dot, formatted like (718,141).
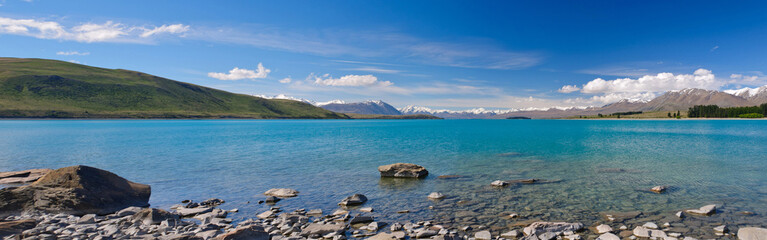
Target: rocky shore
(81,202)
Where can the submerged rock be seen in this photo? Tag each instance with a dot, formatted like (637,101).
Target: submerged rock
(436,195)
(355,199)
(24,176)
(705,210)
(659,189)
(403,170)
(555,227)
(75,190)
(499,183)
(281,192)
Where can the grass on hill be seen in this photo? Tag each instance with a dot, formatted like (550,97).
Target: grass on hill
(40,88)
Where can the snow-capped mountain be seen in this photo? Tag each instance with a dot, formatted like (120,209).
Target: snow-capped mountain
(283,96)
(366,107)
(756,95)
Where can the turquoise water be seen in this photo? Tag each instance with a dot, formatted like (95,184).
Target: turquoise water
(706,161)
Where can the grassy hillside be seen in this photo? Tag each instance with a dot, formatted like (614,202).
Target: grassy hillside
(57,89)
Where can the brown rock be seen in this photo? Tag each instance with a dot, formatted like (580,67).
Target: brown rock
(659,189)
(76,190)
(151,216)
(8,228)
(245,233)
(24,176)
(403,170)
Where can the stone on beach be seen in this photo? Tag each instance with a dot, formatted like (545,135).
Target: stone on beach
(752,233)
(245,233)
(24,176)
(645,232)
(608,236)
(483,235)
(75,190)
(510,234)
(355,199)
(281,192)
(152,216)
(403,170)
(555,227)
(322,229)
(705,210)
(603,228)
(436,195)
(383,236)
(190,212)
(16,227)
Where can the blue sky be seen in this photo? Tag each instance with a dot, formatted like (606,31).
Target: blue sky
(439,54)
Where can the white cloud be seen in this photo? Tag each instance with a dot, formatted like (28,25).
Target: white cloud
(87,32)
(241,73)
(714,48)
(286,80)
(701,78)
(69,53)
(568,89)
(349,81)
(758,78)
(172,29)
(74,61)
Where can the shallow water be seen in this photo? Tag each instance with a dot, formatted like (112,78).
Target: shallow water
(598,165)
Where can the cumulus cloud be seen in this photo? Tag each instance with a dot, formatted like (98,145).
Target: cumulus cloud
(286,80)
(87,32)
(348,81)
(754,79)
(70,53)
(568,89)
(701,78)
(241,73)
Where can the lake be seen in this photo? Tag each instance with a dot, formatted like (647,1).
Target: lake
(588,166)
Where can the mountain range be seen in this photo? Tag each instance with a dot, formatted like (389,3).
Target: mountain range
(680,100)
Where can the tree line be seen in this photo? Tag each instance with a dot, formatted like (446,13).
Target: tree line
(714,111)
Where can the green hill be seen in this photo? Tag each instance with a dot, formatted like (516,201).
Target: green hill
(40,88)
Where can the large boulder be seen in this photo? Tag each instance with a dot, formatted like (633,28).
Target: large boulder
(752,233)
(24,176)
(403,170)
(76,190)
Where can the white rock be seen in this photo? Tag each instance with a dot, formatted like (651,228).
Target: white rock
(603,228)
(281,192)
(366,209)
(483,235)
(752,233)
(721,229)
(339,212)
(642,232)
(499,183)
(510,234)
(436,195)
(650,225)
(623,227)
(692,238)
(608,236)
(679,214)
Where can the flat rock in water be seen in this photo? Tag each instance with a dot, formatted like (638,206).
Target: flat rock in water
(361,219)
(436,195)
(499,183)
(403,170)
(659,189)
(752,233)
(554,227)
(24,176)
(76,190)
(705,210)
(281,192)
(449,176)
(366,209)
(355,199)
